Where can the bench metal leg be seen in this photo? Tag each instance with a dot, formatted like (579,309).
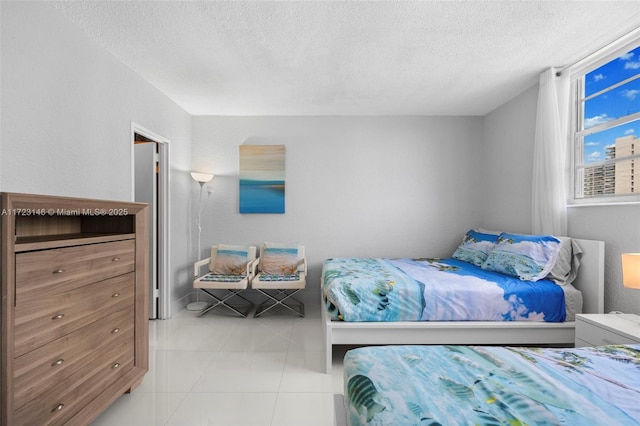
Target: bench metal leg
(281,298)
(223,302)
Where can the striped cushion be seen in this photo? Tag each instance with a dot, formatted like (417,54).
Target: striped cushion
(223,278)
(270,277)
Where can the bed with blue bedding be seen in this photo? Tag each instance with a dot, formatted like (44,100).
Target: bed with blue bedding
(473,385)
(500,289)
(375,289)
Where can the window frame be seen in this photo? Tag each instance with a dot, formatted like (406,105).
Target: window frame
(575,138)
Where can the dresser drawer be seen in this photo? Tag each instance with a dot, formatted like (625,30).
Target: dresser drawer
(42,368)
(40,321)
(45,272)
(596,336)
(59,403)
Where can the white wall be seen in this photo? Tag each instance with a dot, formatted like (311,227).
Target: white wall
(355,186)
(67,107)
(359,186)
(508,165)
(507,159)
(619,227)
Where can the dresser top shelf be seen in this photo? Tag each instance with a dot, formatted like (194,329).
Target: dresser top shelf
(46,222)
(40,242)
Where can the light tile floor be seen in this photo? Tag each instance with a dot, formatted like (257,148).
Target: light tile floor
(226,370)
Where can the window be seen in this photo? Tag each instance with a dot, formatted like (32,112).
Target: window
(606,129)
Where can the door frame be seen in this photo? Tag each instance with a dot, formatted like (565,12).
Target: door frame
(164,304)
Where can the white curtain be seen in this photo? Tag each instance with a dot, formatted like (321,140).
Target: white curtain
(550,154)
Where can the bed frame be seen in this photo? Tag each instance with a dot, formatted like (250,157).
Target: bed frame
(590,281)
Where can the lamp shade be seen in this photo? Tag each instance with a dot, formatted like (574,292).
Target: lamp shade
(631,270)
(201,177)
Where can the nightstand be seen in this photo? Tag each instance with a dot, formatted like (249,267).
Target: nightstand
(607,329)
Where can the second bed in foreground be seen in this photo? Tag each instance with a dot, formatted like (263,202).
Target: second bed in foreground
(467,385)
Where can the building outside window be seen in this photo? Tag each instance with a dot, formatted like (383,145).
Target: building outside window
(607,129)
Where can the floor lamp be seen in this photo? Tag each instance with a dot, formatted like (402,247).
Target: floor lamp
(201,178)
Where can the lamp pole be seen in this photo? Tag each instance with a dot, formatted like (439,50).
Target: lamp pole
(201,178)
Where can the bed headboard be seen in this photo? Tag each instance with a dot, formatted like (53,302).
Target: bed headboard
(590,279)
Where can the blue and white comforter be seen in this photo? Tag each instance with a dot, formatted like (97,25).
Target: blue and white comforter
(375,289)
(467,385)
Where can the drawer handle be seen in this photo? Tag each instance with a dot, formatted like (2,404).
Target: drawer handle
(57,408)
(58,271)
(115,259)
(57,362)
(608,342)
(116,365)
(115,295)
(115,330)
(57,317)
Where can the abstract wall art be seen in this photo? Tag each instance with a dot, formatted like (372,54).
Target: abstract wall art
(262,183)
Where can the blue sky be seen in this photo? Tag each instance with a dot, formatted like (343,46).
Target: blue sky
(617,103)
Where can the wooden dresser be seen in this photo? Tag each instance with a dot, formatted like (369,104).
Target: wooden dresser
(74,306)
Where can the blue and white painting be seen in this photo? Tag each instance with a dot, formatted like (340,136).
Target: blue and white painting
(262,183)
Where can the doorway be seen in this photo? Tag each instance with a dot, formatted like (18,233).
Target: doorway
(150,166)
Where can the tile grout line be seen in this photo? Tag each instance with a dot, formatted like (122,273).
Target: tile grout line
(284,366)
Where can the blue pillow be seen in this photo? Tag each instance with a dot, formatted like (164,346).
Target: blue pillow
(527,257)
(475,247)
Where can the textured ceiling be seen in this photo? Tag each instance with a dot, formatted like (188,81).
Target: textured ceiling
(348,57)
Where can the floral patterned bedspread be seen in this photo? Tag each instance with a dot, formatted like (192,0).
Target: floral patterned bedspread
(471,385)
